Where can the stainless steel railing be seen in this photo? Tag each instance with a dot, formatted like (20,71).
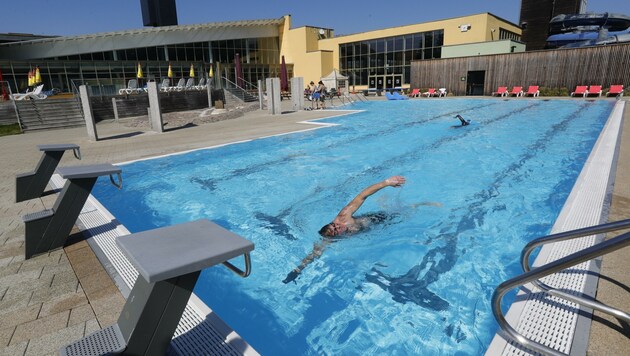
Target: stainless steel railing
(534,276)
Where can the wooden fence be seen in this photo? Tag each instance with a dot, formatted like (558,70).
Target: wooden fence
(560,68)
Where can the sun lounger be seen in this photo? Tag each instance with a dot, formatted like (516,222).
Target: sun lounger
(166,83)
(580,90)
(594,90)
(615,90)
(533,91)
(132,87)
(201,85)
(34,95)
(516,91)
(429,93)
(179,86)
(501,91)
(190,84)
(414,93)
(442,92)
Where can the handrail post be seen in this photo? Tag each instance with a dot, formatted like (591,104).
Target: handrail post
(536,274)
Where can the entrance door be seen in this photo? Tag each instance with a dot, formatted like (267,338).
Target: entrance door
(389,81)
(379,82)
(397,81)
(475,82)
(372,82)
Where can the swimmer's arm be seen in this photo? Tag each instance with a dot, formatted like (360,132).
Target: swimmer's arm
(355,204)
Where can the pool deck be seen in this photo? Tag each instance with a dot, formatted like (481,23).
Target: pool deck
(57,298)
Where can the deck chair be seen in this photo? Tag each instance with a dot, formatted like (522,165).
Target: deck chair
(580,90)
(36,94)
(442,92)
(429,93)
(501,91)
(594,89)
(615,90)
(533,91)
(190,84)
(132,87)
(201,85)
(166,83)
(414,93)
(516,91)
(180,85)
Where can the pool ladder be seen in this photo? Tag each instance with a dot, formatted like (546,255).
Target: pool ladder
(534,275)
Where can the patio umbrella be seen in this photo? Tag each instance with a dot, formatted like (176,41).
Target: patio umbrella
(170,71)
(192,71)
(284,80)
(30,78)
(38,76)
(5,96)
(238,71)
(210,74)
(139,74)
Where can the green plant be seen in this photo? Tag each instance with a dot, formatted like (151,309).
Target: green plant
(13,129)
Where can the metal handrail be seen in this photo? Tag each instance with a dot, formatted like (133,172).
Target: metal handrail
(248,266)
(573,259)
(17,112)
(236,86)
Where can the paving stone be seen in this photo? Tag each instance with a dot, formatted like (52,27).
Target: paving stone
(5,336)
(107,300)
(9,269)
(86,268)
(41,326)
(62,303)
(39,262)
(14,350)
(19,316)
(96,281)
(21,278)
(81,314)
(91,326)
(44,294)
(53,341)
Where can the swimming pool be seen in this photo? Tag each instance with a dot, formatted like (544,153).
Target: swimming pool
(420,284)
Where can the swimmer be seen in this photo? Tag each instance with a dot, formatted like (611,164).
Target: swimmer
(462,120)
(346,224)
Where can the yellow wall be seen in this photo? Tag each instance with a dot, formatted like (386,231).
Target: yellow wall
(313,58)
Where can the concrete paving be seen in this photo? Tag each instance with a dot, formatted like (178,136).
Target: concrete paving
(58,297)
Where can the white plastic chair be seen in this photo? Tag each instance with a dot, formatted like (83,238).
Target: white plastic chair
(442,92)
(35,94)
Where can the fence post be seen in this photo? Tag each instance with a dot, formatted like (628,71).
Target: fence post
(297,93)
(155,118)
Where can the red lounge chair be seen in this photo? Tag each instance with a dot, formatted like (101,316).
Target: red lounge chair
(533,91)
(594,89)
(615,90)
(414,93)
(516,91)
(580,90)
(502,91)
(429,93)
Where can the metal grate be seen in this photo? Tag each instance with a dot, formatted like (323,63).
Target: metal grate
(553,321)
(38,215)
(196,333)
(103,342)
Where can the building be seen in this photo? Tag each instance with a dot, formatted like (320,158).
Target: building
(375,59)
(536,15)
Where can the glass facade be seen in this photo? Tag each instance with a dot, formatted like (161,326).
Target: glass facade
(385,62)
(106,72)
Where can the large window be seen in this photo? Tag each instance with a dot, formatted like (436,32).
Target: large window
(388,56)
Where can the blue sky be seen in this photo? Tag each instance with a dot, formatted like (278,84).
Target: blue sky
(74,17)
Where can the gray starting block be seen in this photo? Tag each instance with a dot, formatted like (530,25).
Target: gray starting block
(32,185)
(169,261)
(48,229)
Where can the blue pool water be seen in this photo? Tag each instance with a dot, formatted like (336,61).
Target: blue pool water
(419,284)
